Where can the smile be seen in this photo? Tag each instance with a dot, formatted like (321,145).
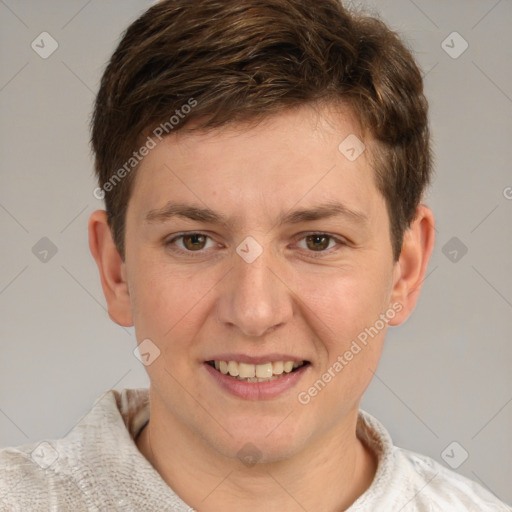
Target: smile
(264,372)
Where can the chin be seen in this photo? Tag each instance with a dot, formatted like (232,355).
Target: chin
(262,446)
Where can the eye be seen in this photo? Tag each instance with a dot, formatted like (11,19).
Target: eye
(320,242)
(190,242)
(196,242)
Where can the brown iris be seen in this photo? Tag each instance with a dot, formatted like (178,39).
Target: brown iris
(194,241)
(319,242)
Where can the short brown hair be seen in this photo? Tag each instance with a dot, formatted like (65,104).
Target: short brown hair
(248,59)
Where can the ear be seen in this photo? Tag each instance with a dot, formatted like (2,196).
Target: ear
(411,267)
(112,269)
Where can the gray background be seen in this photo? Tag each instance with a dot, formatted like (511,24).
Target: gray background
(445,374)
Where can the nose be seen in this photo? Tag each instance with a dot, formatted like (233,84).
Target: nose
(254,297)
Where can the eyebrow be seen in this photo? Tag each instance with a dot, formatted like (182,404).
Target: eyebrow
(321,211)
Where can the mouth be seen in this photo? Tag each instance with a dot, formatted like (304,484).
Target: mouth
(264,372)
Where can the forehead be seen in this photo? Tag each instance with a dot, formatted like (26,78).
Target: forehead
(301,158)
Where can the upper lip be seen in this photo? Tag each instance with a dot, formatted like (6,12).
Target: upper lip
(259,359)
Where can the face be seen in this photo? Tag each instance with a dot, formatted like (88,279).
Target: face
(260,245)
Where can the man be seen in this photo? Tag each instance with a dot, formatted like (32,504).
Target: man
(263,164)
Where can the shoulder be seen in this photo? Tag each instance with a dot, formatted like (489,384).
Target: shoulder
(412,482)
(437,488)
(38,475)
(31,478)
(78,471)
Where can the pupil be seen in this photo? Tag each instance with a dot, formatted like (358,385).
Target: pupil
(195,241)
(316,238)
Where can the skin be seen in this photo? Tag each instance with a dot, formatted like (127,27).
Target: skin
(207,301)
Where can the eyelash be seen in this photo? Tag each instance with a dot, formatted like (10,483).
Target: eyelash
(313,254)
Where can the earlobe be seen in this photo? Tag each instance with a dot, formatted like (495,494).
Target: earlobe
(411,268)
(111,268)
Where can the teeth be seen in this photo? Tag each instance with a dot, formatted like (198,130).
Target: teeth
(264,371)
(278,367)
(256,372)
(288,366)
(246,371)
(223,367)
(233,369)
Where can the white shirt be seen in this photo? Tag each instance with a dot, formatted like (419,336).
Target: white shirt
(97,467)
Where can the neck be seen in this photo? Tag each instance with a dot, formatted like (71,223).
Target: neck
(328,475)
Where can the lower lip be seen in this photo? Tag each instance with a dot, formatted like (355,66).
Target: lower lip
(257,390)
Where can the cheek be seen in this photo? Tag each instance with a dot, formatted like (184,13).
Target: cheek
(343,311)
(344,302)
(345,318)
(171,305)
(164,299)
